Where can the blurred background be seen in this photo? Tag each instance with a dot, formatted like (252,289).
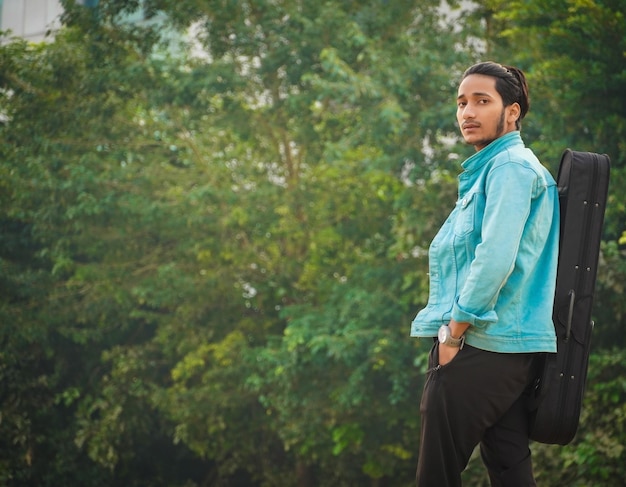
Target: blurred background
(214,222)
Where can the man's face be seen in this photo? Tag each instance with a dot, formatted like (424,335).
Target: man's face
(481,115)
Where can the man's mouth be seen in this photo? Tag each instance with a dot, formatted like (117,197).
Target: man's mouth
(471,125)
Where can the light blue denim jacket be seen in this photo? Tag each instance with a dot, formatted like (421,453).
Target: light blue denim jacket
(493,262)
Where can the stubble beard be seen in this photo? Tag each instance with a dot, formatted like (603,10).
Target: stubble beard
(499,133)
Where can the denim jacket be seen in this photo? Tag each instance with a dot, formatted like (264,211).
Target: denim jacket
(493,262)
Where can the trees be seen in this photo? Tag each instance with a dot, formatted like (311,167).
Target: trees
(70,267)
(210,255)
(185,214)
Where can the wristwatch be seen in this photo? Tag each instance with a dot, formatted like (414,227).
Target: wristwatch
(445,337)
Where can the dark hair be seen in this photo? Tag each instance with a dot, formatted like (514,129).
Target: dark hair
(510,84)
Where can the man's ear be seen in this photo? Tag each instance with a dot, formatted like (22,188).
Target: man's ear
(513,113)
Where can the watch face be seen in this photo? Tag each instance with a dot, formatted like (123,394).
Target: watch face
(443,334)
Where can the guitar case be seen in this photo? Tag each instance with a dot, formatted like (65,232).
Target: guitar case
(557,396)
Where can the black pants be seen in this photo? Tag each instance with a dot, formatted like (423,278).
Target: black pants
(476,398)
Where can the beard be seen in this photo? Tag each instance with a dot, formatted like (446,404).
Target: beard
(500,126)
(499,132)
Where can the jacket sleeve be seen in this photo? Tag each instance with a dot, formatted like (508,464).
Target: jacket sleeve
(509,192)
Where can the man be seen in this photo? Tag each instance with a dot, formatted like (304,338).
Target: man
(492,282)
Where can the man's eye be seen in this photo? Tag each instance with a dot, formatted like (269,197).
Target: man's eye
(483,101)
(461,104)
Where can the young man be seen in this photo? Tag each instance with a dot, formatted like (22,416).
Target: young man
(492,282)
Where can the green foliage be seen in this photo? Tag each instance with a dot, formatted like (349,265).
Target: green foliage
(213,240)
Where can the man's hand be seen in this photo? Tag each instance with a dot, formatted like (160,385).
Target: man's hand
(446,352)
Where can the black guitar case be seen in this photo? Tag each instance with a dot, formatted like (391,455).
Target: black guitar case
(583,181)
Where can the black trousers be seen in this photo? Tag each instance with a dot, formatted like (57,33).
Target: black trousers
(477,398)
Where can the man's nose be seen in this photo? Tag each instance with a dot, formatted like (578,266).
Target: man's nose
(468,112)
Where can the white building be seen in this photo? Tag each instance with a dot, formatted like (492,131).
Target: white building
(30,19)
(33,20)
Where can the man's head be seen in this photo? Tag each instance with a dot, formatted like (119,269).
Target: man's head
(492,100)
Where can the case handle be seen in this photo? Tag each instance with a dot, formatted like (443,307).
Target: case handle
(570,314)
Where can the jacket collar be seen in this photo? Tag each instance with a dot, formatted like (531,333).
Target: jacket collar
(477,160)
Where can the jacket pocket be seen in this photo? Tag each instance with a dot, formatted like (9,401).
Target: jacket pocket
(466,215)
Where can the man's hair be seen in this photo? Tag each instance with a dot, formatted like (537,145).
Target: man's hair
(510,84)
